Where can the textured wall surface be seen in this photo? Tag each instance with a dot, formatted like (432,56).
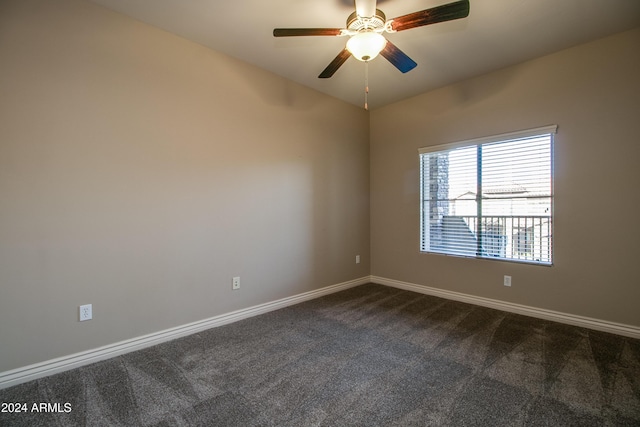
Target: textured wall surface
(140,172)
(592,93)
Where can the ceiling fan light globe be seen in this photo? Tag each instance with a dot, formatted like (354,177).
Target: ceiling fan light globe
(366,45)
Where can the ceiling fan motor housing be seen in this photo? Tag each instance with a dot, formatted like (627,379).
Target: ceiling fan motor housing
(358,23)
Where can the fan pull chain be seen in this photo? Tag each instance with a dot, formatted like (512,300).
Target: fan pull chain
(366,85)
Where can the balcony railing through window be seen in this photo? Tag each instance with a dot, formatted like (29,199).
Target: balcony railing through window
(524,238)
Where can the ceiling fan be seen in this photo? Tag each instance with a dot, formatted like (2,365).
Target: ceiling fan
(365,27)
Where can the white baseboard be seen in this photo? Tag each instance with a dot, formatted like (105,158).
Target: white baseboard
(65,363)
(570,319)
(50,367)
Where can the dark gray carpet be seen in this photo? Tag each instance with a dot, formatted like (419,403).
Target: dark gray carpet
(368,356)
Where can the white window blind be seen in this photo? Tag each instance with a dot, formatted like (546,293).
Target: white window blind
(490,197)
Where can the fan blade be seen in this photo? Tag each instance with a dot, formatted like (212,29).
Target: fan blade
(366,8)
(446,12)
(398,58)
(335,64)
(294,32)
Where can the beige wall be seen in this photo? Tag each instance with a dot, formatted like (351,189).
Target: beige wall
(139,172)
(592,92)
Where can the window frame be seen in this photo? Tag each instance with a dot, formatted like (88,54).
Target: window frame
(543,131)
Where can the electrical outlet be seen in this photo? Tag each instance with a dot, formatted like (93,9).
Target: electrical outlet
(235,283)
(86,312)
(507,280)
(357,259)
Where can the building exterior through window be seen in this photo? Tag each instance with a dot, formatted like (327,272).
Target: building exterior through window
(490,197)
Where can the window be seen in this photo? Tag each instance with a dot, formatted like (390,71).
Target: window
(490,197)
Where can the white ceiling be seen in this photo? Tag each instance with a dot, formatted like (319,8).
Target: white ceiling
(497,33)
